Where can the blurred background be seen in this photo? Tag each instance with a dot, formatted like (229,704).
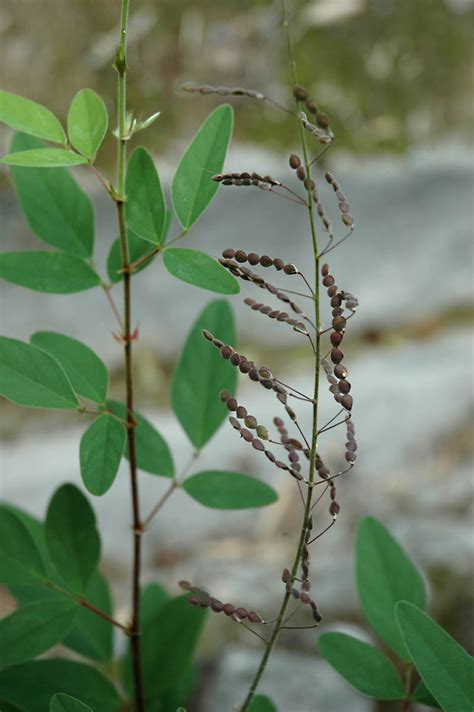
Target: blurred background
(396,80)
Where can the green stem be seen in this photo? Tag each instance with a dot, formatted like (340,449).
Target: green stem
(121,67)
(279,623)
(406,698)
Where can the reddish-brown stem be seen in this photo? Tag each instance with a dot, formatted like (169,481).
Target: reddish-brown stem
(105,616)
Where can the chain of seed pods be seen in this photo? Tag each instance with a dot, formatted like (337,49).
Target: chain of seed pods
(301,94)
(245,179)
(290,444)
(222,91)
(343,205)
(263,260)
(296,165)
(201,598)
(302,596)
(276,314)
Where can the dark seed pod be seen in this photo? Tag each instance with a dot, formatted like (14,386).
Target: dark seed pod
(286,576)
(258,445)
(340,371)
(235,423)
(207,335)
(339,323)
(235,359)
(270,455)
(229,253)
(301,173)
(241,613)
(322,120)
(278,263)
(344,387)
(241,412)
(295,161)
(224,396)
(216,606)
(336,338)
(334,509)
(241,256)
(325,270)
(347,401)
(336,355)
(185,585)
(332,291)
(311,106)
(290,269)
(254,617)
(278,422)
(228,609)
(226,352)
(253,258)
(300,93)
(266,261)
(328,281)
(247,435)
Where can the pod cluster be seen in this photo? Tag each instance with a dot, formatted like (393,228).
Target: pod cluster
(351,444)
(290,444)
(302,596)
(222,91)
(275,314)
(301,94)
(201,598)
(343,205)
(262,182)
(262,260)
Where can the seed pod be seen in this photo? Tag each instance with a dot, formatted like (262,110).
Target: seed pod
(262,432)
(235,423)
(311,106)
(224,395)
(295,161)
(351,445)
(185,585)
(247,435)
(270,456)
(304,598)
(324,270)
(235,359)
(241,256)
(350,456)
(266,261)
(286,576)
(347,401)
(207,335)
(278,422)
(226,352)
(339,323)
(228,609)
(322,120)
(232,404)
(344,386)
(290,269)
(336,355)
(340,371)
(336,338)
(229,253)
(328,281)
(300,93)
(347,219)
(334,509)
(253,258)
(301,173)
(278,263)
(254,617)
(332,291)
(216,606)
(258,445)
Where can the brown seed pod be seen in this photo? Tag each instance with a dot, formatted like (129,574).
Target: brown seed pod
(336,355)
(301,173)
(228,609)
(300,93)
(226,352)
(294,161)
(340,371)
(347,401)
(224,395)
(339,323)
(334,509)
(336,338)
(254,617)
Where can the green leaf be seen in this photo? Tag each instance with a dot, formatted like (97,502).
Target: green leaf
(262,703)
(20,559)
(55,272)
(423,696)
(87,122)
(137,249)
(87,373)
(229,490)
(71,537)
(145,207)
(45,676)
(101,450)
(65,703)
(197,268)
(153,454)
(202,373)
(33,629)
(385,575)
(444,666)
(32,118)
(193,187)
(30,377)
(364,667)
(43,158)
(91,635)
(168,643)
(56,208)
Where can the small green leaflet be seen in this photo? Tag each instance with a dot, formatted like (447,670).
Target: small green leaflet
(30,377)
(72,538)
(44,158)
(65,703)
(145,207)
(229,490)
(33,629)
(87,373)
(201,373)
(197,268)
(262,703)
(193,187)
(385,575)
(20,559)
(444,666)
(364,667)
(55,272)
(25,115)
(56,208)
(87,122)
(100,452)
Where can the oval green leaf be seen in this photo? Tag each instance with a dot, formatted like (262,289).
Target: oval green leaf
(153,453)
(229,490)
(54,272)
(71,537)
(385,575)
(193,187)
(65,703)
(444,666)
(145,208)
(43,158)
(262,703)
(30,377)
(87,122)
(91,635)
(197,268)
(137,248)
(423,696)
(201,374)
(20,560)
(100,452)
(32,118)
(45,676)
(56,208)
(33,629)
(87,373)
(364,667)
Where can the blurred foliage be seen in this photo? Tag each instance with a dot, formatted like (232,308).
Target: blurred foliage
(389,73)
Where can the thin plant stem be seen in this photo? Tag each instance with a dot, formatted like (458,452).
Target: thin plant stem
(111,300)
(407,695)
(90,607)
(166,495)
(279,624)
(121,67)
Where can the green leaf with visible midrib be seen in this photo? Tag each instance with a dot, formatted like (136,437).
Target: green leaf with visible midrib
(101,450)
(197,268)
(25,115)
(32,378)
(145,207)
(229,490)
(201,373)
(364,667)
(444,666)
(33,629)
(20,560)
(87,122)
(53,272)
(65,703)
(71,537)
(385,575)
(87,373)
(193,187)
(43,158)
(56,208)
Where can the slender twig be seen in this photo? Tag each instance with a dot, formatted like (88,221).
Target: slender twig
(163,499)
(107,291)
(101,178)
(133,266)
(323,532)
(331,420)
(119,196)
(90,607)
(407,695)
(317,366)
